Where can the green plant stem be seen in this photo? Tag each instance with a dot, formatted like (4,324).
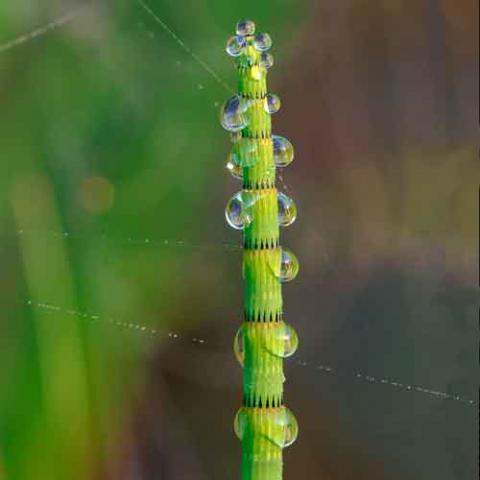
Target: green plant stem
(263,370)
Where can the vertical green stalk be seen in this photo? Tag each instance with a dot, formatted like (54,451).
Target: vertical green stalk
(264,425)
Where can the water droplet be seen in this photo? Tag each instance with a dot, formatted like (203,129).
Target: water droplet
(288,267)
(245,27)
(283,152)
(238,212)
(262,41)
(239,345)
(240,423)
(272,103)
(287,210)
(266,60)
(235,45)
(283,340)
(233,114)
(278,425)
(234,166)
(288,428)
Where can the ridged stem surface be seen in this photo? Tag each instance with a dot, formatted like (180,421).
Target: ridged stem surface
(263,367)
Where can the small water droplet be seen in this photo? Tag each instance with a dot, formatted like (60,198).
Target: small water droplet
(238,210)
(287,210)
(234,166)
(245,27)
(288,267)
(266,60)
(283,340)
(272,103)
(235,45)
(239,345)
(288,424)
(233,114)
(283,152)
(240,423)
(262,41)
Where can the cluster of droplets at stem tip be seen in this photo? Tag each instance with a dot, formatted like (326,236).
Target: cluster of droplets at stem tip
(263,424)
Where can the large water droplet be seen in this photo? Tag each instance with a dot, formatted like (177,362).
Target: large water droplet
(238,211)
(283,340)
(234,166)
(239,345)
(272,103)
(262,41)
(283,152)
(288,267)
(240,423)
(236,45)
(245,27)
(287,210)
(233,115)
(266,60)
(287,426)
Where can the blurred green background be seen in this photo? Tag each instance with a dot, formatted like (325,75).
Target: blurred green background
(120,282)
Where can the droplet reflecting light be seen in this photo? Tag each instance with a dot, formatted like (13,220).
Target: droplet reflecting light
(245,27)
(239,345)
(234,166)
(283,152)
(262,41)
(233,115)
(266,60)
(272,103)
(288,267)
(283,341)
(238,211)
(235,45)
(287,210)
(287,425)
(240,423)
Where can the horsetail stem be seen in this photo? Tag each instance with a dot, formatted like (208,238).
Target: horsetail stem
(264,425)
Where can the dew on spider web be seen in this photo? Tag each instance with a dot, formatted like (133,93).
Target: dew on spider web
(134,241)
(313,365)
(38,32)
